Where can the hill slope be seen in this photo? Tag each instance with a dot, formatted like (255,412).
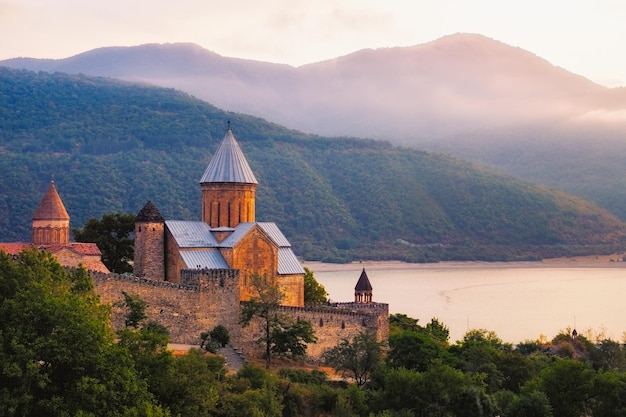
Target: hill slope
(453,85)
(112,145)
(467,95)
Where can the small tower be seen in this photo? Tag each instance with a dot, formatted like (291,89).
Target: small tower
(363,289)
(228,187)
(51,223)
(149,261)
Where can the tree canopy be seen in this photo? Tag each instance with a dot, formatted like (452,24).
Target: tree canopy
(114,235)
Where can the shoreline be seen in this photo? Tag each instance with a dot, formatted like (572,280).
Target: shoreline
(591,261)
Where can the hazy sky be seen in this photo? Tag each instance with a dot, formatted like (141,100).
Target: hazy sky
(586,37)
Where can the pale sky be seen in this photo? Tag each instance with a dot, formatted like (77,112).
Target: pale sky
(586,37)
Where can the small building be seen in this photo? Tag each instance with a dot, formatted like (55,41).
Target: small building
(51,232)
(363,289)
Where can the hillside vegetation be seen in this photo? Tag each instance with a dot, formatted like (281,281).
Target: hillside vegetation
(111,146)
(466,95)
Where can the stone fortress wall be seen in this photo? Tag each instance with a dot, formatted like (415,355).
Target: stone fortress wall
(205,299)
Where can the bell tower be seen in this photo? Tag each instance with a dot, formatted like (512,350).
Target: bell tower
(51,223)
(228,187)
(363,289)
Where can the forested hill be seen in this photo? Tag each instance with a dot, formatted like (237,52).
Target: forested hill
(111,146)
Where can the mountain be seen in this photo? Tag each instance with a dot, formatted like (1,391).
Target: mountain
(112,145)
(465,95)
(453,85)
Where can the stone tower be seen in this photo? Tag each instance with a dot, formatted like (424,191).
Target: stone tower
(363,289)
(149,243)
(51,223)
(228,187)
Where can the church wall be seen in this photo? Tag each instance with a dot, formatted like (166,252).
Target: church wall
(293,287)
(173,262)
(47,232)
(255,254)
(67,257)
(228,204)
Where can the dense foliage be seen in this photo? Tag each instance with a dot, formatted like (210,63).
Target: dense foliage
(114,234)
(281,334)
(60,358)
(112,146)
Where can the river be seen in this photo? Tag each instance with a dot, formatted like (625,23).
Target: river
(518,301)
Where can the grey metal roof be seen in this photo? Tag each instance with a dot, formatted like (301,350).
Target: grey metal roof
(191,234)
(241,230)
(229,164)
(288,263)
(201,259)
(274,233)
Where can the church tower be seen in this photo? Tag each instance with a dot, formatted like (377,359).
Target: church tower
(363,289)
(51,223)
(228,187)
(149,261)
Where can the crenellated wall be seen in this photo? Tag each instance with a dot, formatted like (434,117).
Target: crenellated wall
(204,299)
(331,324)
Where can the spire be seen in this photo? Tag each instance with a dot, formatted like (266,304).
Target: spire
(363,284)
(51,223)
(51,207)
(149,214)
(363,289)
(229,164)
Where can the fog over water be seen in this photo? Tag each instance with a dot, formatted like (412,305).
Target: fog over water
(520,301)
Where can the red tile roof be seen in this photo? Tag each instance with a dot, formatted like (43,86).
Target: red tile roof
(51,206)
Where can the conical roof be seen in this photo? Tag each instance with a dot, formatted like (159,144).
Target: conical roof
(149,213)
(51,206)
(229,164)
(363,284)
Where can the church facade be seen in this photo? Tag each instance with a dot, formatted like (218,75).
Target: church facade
(227,238)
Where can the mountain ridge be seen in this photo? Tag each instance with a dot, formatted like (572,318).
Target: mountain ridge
(114,145)
(280,92)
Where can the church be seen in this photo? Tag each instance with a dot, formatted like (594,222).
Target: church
(194,275)
(227,238)
(51,232)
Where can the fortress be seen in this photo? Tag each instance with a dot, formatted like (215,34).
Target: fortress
(194,275)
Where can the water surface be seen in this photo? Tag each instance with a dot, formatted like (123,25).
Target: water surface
(521,301)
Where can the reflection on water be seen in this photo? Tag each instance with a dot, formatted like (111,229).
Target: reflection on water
(518,303)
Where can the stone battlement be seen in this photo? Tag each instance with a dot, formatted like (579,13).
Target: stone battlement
(207,298)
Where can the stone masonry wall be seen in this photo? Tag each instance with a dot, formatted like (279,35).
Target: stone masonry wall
(185,309)
(331,324)
(204,299)
(150,250)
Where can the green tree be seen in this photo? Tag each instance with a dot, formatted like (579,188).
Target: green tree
(216,338)
(569,386)
(399,323)
(114,235)
(293,338)
(356,358)
(58,354)
(136,309)
(280,333)
(412,350)
(479,353)
(314,292)
(437,330)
